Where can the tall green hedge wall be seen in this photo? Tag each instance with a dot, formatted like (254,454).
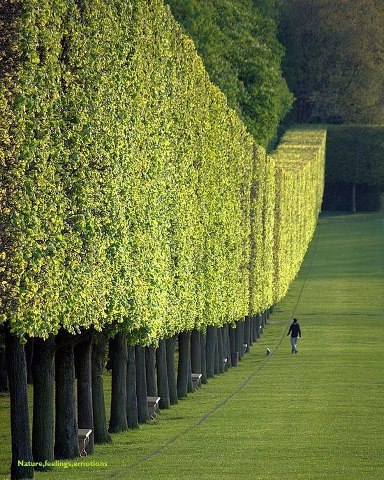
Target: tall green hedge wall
(131,195)
(299,162)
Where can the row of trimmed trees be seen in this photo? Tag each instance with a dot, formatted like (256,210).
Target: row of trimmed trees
(134,206)
(68,390)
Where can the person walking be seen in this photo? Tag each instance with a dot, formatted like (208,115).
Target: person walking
(295,332)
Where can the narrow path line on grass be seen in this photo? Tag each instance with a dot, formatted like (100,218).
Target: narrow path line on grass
(267,359)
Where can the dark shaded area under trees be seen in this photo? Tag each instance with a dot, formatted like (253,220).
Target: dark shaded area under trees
(354,168)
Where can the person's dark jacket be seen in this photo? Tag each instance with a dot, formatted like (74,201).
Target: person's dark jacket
(294,330)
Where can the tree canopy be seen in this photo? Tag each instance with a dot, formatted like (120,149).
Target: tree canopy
(335,59)
(128,187)
(238,43)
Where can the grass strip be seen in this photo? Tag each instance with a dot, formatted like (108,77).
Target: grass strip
(314,415)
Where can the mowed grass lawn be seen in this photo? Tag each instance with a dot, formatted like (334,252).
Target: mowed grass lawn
(315,415)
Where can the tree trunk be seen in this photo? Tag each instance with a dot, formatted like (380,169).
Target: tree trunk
(227,347)
(84,389)
(195,352)
(259,326)
(239,339)
(17,375)
(247,334)
(233,346)
(183,365)
(118,354)
(170,345)
(150,368)
(220,346)
(3,373)
(217,360)
(43,400)
(99,348)
(29,347)
(254,328)
(162,375)
(141,385)
(210,351)
(232,338)
(66,445)
(203,341)
(250,330)
(131,407)
(189,377)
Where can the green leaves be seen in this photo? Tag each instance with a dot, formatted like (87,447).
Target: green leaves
(299,162)
(239,46)
(126,180)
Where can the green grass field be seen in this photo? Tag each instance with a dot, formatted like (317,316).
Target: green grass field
(317,415)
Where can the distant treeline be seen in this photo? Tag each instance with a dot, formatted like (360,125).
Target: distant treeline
(237,40)
(334,66)
(334,61)
(354,178)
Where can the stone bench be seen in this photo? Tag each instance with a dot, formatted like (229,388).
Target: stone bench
(196,381)
(83,440)
(153,407)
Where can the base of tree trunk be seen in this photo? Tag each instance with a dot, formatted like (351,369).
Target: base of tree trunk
(84,389)
(17,375)
(162,375)
(195,351)
(247,334)
(170,346)
(183,370)
(150,369)
(217,353)
(226,346)
(131,407)
(239,338)
(99,347)
(210,351)
(259,326)
(119,356)
(43,400)
(141,385)
(220,347)
(203,341)
(66,443)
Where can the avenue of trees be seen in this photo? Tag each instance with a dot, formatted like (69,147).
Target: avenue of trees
(137,215)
